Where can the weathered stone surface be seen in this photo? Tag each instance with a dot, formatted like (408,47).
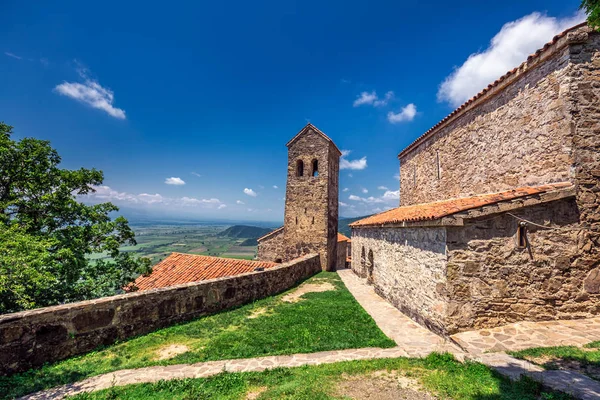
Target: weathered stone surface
(521,136)
(534,283)
(32,338)
(406,267)
(311,202)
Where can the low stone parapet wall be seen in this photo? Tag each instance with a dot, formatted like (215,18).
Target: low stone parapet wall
(31,338)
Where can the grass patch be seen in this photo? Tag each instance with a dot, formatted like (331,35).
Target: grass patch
(329,320)
(439,374)
(585,360)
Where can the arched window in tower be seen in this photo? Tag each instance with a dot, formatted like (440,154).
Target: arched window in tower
(299,168)
(315,168)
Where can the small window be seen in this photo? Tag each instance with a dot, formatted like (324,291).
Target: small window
(299,168)
(278,260)
(296,220)
(522,236)
(315,168)
(313,220)
(437,161)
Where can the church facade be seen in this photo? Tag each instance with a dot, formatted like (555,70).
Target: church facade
(499,217)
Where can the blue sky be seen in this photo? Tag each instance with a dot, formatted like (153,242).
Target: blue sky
(187,106)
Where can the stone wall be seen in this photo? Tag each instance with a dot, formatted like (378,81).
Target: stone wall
(518,134)
(492,282)
(310,210)
(31,338)
(584,93)
(271,247)
(408,269)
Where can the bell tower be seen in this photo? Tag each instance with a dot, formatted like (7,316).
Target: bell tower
(311,201)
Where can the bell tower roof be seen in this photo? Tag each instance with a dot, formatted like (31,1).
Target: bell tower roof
(310,126)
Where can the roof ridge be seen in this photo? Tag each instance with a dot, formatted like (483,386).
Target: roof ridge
(492,85)
(320,132)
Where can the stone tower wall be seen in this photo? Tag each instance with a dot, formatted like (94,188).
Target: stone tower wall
(310,222)
(517,134)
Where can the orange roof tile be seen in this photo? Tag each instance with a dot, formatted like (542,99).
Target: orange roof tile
(497,82)
(444,208)
(343,238)
(181,268)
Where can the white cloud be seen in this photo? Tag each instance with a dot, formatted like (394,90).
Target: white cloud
(366,98)
(196,174)
(357,164)
(174,181)
(350,176)
(382,102)
(221,206)
(106,193)
(382,187)
(342,204)
(365,191)
(406,114)
(275,187)
(397,177)
(8,53)
(240,202)
(91,93)
(345,190)
(391,195)
(250,192)
(507,49)
(388,197)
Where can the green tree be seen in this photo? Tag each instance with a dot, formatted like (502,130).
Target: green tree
(46,233)
(592,9)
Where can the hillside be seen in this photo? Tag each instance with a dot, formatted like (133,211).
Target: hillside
(244,232)
(343,223)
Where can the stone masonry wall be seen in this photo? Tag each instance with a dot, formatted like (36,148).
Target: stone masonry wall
(492,282)
(584,92)
(520,136)
(408,269)
(31,338)
(308,207)
(271,248)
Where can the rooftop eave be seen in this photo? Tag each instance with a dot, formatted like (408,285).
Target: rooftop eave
(459,218)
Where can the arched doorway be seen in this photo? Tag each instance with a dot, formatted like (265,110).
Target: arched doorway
(370,266)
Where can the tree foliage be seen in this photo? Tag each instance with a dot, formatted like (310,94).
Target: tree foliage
(46,234)
(592,9)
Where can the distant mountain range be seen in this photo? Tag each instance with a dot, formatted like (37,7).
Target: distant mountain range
(343,223)
(244,232)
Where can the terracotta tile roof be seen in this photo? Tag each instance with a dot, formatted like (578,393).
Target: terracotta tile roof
(181,268)
(497,82)
(270,233)
(444,208)
(314,128)
(343,238)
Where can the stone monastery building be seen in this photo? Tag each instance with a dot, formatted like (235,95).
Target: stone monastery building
(499,217)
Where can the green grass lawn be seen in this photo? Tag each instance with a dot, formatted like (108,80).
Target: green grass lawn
(584,359)
(329,320)
(437,374)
